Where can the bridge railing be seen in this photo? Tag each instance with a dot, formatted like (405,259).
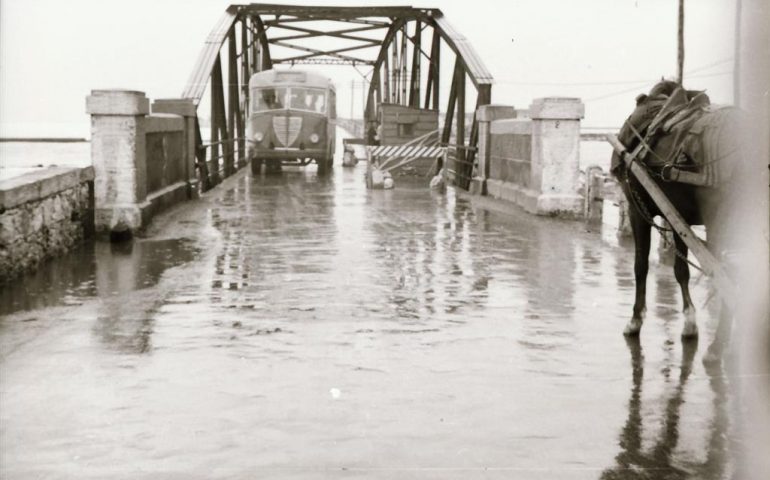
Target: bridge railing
(218,160)
(460,164)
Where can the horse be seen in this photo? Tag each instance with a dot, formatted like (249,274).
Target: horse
(680,132)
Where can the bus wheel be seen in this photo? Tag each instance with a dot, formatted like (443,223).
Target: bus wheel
(273,166)
(256,166)
(324,165)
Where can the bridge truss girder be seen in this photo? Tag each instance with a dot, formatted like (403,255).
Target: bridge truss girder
(376,37)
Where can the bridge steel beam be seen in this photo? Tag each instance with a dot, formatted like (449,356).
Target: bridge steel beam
(265,27)
(467,63)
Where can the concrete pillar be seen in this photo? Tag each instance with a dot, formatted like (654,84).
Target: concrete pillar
(118,156)
(624,224)
(185,108)
(594,199)
(485,115)
(555,156)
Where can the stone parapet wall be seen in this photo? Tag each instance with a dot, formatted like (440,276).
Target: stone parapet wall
(532,161)
(510,155)
(164,143)
(43,214)
(144,162)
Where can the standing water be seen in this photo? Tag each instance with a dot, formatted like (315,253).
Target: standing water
(298,326)
(18,158)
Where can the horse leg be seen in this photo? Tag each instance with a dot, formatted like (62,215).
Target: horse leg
(641,230)
(682,274)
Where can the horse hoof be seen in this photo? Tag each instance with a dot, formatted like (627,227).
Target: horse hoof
(714,354)
(633,328)
(690,331)
(711,358)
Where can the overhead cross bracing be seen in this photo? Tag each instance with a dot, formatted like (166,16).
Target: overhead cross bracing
(388,40)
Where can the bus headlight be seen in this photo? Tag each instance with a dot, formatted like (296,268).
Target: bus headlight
(259,136)
(314,138)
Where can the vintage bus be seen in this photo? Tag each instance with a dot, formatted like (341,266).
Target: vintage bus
(291,120)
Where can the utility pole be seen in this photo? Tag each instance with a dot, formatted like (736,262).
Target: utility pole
(737,56)
(680,45)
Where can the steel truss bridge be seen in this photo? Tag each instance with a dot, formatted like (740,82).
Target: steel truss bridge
(402,47)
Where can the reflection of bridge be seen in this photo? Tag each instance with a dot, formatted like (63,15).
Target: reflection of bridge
(394,41)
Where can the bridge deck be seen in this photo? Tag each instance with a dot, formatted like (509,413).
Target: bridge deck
(297,326)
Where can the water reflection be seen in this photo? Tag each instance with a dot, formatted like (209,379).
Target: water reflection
(551,268)
(124,274)
(95,269)
(665,458)
(62,280)
(488,334)
(271,226)
(434,267)
(120,275)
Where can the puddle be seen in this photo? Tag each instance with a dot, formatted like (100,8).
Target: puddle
(95,269)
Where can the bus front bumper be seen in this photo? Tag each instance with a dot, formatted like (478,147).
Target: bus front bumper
(286,153)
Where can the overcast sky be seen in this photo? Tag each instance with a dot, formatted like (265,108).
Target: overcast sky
(53,52)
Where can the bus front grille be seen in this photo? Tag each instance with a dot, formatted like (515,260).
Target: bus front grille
(287,129)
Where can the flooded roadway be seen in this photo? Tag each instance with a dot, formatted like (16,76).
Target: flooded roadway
(304,327)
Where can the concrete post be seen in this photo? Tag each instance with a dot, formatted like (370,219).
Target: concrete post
(118,156)
(555,156)
(624,224)
(594,201)
(485,115)
(185,108)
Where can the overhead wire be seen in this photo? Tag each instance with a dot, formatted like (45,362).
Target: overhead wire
(614,82)
(620,92)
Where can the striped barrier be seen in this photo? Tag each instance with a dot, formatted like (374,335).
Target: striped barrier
(381,159)
(418,151)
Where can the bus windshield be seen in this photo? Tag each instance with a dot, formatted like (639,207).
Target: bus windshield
(270,98)
(309,99)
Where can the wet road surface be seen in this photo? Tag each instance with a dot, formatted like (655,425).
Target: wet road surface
(301,327)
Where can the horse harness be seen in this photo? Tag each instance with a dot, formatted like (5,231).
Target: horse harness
(684,118)
(677,115)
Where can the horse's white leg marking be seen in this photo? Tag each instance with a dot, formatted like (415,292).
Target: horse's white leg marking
(634,326)
(690,329)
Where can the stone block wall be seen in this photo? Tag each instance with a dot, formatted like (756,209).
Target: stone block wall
(43,214)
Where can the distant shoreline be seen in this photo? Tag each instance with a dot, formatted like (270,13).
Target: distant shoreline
(43,139)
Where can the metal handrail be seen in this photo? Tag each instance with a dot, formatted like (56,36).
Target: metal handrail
(203,146)
(461,147)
